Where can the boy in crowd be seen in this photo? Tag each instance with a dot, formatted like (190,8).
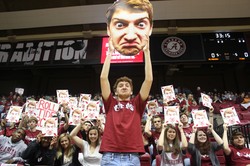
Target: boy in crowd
(129,25)
(237,153)
(12,147)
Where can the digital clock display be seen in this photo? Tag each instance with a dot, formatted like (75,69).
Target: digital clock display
(225,46)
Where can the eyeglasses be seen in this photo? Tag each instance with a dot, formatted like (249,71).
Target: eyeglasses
(157,121)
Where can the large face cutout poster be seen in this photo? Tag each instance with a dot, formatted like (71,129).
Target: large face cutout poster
(31,108)
(168,93)
(75,116)
(171,114)
(153,107)
(206,100)
(83,99)
(230,116)
(62,96)
(200,118)
(14,114)
(91,110)
(49,127)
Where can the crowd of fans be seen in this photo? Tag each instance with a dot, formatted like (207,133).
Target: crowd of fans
(79,145)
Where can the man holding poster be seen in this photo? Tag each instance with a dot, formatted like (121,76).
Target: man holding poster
(129,27)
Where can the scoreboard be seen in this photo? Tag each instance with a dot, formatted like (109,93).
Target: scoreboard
(225,46)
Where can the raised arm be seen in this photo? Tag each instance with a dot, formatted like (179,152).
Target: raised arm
(226,148)
(211,115)
(183,137)
(105,85)
(216,136)
(192,138)
(23,122)
(147,126)
(66,117)
(160,143)
(147,83)
(78,141)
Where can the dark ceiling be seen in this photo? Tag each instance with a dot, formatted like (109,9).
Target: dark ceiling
(22,5)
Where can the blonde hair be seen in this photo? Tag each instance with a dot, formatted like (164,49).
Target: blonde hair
(60,150)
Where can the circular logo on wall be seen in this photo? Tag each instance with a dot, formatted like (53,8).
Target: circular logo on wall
(173,47)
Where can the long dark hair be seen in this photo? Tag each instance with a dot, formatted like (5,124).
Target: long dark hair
(204,148)
(176,142)
(98,132)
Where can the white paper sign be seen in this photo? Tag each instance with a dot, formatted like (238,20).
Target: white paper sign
(75,116)
(73,102)
(20,91)
(31,108)
(83,99)
(171,114)
(62,96)
(49,127)
(206,100)
(46,109)
(91,110)
(168,93)
(230,116)
(14,114)
(200,118)
(153,107)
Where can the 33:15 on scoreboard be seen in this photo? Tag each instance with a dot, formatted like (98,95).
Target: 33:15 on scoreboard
(225,46)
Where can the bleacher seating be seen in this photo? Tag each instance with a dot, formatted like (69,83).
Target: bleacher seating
(145,160)
(221,157)
(245,115)
(158,160)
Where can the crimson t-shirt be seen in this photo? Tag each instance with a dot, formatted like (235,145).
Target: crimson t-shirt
(205,160)
(122,131)
(30,136)
(239,157)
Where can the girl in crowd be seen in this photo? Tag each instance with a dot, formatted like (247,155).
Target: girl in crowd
(90,148)
(170,147)
(67,153)
(202,150)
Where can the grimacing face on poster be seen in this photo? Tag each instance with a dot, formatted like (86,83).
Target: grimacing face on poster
(129,29)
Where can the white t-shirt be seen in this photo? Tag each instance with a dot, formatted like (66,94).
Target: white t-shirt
(170,159)
(91,159)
